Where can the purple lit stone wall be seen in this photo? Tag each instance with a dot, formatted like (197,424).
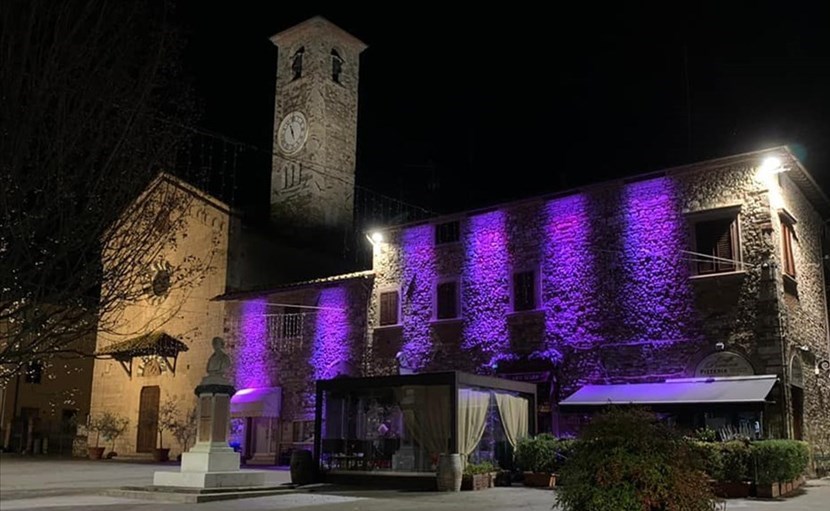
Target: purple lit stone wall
(617,300)
(331,333)
(251,351)
(485,287)
(570,273)
(417,281)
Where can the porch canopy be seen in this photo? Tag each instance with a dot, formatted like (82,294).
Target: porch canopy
(734,389)
(158,344)
(256,402)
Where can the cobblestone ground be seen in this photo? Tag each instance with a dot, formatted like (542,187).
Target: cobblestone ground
(61,485)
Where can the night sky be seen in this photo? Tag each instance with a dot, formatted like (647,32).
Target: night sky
(460,110)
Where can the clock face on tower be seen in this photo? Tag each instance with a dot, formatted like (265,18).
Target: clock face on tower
(292,132)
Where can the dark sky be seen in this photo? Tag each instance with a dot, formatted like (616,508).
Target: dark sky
(497,104)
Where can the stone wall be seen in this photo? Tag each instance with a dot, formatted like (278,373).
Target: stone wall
(803,311)
(619,299)
(329,343)
(322,197)
(186,313)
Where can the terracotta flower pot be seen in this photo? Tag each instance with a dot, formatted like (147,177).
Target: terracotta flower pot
(95,453)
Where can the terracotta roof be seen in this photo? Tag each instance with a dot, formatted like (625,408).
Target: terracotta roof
(156,343)
(253,293)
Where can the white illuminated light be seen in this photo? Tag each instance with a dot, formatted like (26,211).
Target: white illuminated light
(772,165)
(377,237)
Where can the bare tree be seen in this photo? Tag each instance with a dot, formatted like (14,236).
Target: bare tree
(92,106)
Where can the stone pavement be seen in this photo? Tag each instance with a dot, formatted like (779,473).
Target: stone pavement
(63,485)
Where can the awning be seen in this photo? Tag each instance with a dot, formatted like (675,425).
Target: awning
(156,343)
(735,389)
(256,402)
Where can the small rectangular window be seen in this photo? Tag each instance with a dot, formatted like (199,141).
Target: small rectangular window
(787,238)
(524,291)
(34,372)
(447,300)
(389,301)
(716,244)
(448,232)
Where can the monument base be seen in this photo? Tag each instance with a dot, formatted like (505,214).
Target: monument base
(211,461)
(230,479)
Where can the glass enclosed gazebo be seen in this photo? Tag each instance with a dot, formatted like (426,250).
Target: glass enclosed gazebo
(398,426)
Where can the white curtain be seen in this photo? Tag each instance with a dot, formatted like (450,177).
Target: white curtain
(472,415)
(513,412)
(426,414)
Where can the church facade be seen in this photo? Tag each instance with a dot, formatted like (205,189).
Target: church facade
(708,272)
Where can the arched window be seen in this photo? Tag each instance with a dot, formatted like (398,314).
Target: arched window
(336,66)
(297,62)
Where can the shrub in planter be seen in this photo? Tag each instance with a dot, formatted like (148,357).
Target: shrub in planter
(628,461)
(108,426)
(779,460)
(537,458)
(478,476)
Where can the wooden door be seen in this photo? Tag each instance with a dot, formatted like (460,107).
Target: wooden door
(148,416)
(798,412)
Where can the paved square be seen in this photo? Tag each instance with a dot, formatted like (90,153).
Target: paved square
(63,485)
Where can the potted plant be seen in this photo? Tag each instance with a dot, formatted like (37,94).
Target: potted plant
(94,426)
(109,426)
(537,458)
(184,430)
(167,421)
(478,476)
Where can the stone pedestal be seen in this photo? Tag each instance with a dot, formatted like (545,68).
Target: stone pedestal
(211,463)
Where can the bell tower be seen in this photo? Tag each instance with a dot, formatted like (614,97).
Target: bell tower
(315,130)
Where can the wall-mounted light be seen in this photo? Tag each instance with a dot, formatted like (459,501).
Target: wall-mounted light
(375,237)
(772,165)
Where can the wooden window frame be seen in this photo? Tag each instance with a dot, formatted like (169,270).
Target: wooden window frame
(731,214)
(384,291)
(437,302)
(788,239)
(441,232)
(534,271)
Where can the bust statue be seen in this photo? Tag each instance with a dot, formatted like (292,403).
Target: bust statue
(217,364)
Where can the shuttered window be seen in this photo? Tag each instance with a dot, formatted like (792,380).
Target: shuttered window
(447,300)
(717,245)
(448,232)
(524,291)
(787,259)
(389,307)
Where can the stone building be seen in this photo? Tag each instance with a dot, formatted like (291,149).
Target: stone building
(711,270)
(714,269)
(40,406)
(706,275)
(154,349)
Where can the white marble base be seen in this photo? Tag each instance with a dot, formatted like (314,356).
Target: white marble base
(234,479)
(222,461)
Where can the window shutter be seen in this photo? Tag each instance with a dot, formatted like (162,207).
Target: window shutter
(447,304)
(389,308)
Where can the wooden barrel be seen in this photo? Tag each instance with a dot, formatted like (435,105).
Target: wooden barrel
(449,472)
(302,467)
